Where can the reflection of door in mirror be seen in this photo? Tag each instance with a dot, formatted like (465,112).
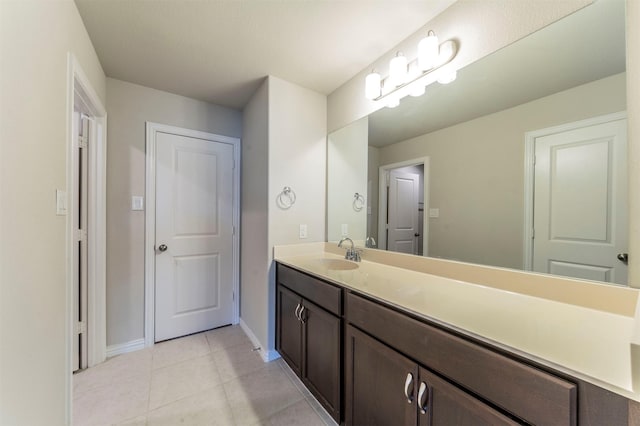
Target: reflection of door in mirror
(403,191)
(579,199)
(402,211)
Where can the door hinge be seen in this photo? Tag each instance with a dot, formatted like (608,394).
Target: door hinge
(535,159)
(233,296)
(533,233)
(81,235)
(81,327)
(233,230)
(82,141)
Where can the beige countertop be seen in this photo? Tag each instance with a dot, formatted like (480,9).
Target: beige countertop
(595,345)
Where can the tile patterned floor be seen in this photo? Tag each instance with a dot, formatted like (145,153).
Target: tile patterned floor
(210,378)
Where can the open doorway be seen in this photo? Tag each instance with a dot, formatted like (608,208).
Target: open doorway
(86,223)
(404,198)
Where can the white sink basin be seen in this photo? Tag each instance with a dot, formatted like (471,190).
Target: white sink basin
(338,264)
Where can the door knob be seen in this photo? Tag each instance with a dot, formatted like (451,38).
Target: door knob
(623,257)
(162,247)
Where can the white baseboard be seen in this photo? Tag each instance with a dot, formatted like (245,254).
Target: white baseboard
(123,348)
(266,354)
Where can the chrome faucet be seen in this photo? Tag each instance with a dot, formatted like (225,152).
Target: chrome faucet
(352,253)
(370,242)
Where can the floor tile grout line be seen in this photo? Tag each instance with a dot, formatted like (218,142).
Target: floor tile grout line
(147,363)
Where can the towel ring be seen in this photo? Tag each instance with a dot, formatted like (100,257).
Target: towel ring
(358,202)
(286,198)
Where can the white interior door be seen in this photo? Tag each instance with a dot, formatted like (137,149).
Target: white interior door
(194,235)
(402,217)
(580,203)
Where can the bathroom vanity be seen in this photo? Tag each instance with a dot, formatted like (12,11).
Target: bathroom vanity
(374,345)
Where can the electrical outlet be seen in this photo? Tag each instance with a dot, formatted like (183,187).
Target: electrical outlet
(303,231)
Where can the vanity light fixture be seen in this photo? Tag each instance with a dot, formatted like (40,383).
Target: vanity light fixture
(411,78)
(398,70)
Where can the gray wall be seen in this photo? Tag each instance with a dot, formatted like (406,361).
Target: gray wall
(284,145)
(476,172)
(254,254)
(35,39)
(129,107)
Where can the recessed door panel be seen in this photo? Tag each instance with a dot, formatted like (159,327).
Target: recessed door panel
(196,210)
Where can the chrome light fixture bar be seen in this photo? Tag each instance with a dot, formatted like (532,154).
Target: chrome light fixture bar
(411,78)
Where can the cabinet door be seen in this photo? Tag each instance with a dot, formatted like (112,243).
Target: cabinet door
(289,328)
(381,384)
(442,404)
(321,367)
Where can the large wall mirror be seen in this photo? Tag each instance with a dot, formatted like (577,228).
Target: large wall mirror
(519,163)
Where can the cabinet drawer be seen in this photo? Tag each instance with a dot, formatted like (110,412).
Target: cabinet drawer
(527,392)
(319,292)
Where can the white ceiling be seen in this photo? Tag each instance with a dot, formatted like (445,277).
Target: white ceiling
(220,50)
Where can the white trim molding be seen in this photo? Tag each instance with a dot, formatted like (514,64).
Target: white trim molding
(529,173)
(123,348)
(152,129)
(266,355)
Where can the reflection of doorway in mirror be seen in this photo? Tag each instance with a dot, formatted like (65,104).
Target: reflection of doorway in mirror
(403,195)
(578,200)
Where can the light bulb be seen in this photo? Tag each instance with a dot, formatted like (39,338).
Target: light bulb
(428,51)
(392,102)
(398,70)
(447,76)
(372,85)
(417,89)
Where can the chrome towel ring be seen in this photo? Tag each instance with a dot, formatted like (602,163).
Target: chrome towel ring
(286,198)
(358,201)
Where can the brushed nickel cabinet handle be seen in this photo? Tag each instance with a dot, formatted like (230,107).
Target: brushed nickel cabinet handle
(303,319)
(423,398)
(297,314)
(408,388)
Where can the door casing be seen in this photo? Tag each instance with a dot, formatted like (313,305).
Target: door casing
(81,92)
(382,201)
(150,219)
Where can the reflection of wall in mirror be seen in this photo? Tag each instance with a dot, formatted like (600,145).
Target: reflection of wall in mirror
(477,171)
(372,187)
(347,165)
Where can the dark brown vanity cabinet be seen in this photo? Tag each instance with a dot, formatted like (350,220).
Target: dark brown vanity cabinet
(386,388)
(309,334)
(398,367)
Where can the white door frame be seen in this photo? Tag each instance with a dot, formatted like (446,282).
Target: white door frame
(382,203)
(81,92)
(529,172)
(150,220)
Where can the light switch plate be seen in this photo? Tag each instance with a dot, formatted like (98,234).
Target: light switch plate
(137,202)
(434,212)
(303,231)
(344,230)
(61,202)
